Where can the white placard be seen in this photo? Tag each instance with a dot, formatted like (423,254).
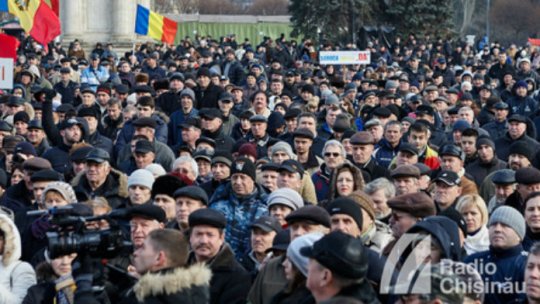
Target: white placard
(345,57)
(6,73)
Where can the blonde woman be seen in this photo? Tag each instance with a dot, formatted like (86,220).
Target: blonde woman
(473,209)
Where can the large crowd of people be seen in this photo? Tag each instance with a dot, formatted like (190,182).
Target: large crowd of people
(243,173)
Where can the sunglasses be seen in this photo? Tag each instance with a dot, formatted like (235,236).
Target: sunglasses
(328,154)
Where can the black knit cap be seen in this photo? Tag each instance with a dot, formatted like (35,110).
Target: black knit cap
(347,206)
(245,166)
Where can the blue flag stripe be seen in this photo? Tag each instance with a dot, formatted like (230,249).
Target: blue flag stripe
(141,23)
(4,6)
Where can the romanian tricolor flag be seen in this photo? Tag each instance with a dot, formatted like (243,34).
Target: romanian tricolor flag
(154,25)
(36,18)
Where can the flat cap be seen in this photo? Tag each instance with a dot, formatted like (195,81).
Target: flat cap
(145,122)
(5,126)
(501,106)
(313,214)
(35,124)
(304,133)
(407,147)
(362,138)
(79,154)
(452,150)
(36,164)
(46,175)
(210,113)
(405,171)
(204,139)
(98,155)
(258,118)
(528,176)
(194,192)
(425,110)
(417,204)
(203,154)
(504,177)
(207,216)
(517,118)
(267,224)
(424,169)
(147,211)
(144,146)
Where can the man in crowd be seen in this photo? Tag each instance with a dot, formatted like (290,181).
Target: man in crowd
(230,281)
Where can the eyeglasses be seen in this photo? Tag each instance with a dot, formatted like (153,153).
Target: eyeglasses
(330,154)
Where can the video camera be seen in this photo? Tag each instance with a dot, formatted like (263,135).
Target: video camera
(72,235)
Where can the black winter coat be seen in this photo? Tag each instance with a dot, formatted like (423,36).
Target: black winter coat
(208,98)
(230,282)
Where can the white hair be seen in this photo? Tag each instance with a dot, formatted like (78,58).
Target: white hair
(186,159)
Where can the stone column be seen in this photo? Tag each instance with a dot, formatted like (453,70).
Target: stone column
(123,23)
(70,16)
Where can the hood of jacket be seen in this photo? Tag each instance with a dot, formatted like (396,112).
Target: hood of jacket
(172,281)
(445,231)
(12,241)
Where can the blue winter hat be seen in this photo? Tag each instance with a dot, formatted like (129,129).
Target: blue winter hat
(460,125)
(521,83)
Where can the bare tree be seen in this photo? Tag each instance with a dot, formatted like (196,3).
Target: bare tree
(514,20)
(177,6)
(269,7)
(219,7)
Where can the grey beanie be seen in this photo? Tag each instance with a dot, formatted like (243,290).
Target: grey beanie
(63,188)
(293,251)
(287,197)
(188,92)
(141,177)
(509,217)
(283,146)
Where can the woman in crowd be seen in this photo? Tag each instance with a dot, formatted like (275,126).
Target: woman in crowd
(474,211)
(15,276)
(346,179)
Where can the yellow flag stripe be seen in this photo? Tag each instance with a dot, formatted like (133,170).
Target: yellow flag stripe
(155,26)
(26,14)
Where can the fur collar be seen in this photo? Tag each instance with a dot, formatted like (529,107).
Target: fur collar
(12,243)
(169,282)
(119,176)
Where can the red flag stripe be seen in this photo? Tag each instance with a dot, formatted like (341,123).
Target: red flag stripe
(46,25)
